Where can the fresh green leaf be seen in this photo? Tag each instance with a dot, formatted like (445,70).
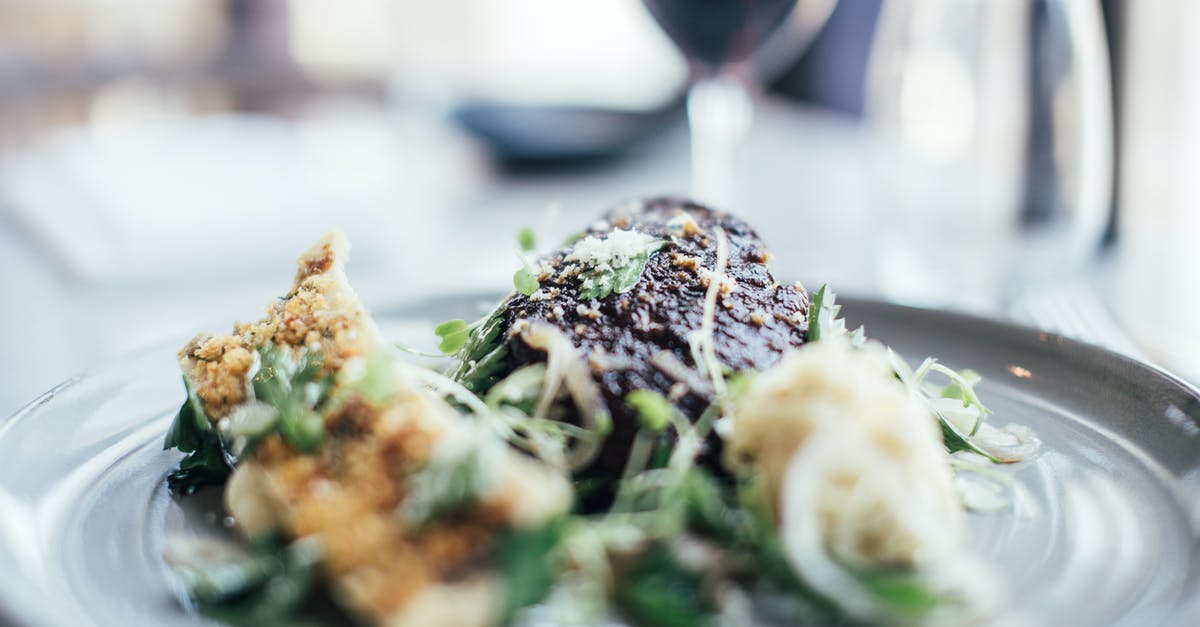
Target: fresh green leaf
(454,334)
(823,320)
(304,430)
(295,388)
(658,591)
(616,278)
(654,412)
(526,240)
(484,358)
(204,466)
(957,441)
(266,588)
(191,426)
(527,559)
(902,593)
(191,432)
(525,282)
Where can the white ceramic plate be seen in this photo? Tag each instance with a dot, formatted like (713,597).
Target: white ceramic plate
(1106,534)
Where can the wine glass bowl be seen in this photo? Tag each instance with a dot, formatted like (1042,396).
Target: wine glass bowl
(992,142)
(718,38)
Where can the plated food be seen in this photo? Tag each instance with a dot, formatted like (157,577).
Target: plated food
(650,429)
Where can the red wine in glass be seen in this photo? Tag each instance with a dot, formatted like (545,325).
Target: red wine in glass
(713,33)
(715,36)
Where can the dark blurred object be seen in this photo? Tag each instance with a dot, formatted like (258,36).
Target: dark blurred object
(712,33)
(831,72)
(1114,30)
(531,135)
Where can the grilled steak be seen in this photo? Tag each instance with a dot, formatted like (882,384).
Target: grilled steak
(632,339)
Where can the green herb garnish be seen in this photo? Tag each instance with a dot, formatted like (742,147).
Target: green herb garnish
(657,590)
(295,388)
(618,275)
(823,320)
(654,412)
(956,440)
(524,282)
(267,587)
(454,334)
(529,563)
(483,359)
(526,240)
(193,433)
(962,387)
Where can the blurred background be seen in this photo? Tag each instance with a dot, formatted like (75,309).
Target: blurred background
(162,162)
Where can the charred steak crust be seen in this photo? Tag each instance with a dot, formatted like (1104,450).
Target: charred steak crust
(756,318)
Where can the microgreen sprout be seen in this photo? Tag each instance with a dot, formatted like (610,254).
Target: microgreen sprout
(524,282)
(654,412)
(454,334)
(526,240)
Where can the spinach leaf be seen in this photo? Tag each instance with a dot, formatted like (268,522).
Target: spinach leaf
(193,433)
(527,559)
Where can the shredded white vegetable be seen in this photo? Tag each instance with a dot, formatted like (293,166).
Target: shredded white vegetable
(701,341)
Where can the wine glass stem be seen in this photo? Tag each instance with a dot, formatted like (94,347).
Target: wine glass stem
(720,112)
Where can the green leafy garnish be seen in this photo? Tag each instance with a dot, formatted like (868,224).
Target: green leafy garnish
(527,559)
(193,433)
(902,593)
(267,587)
(524,282)
(287,392)
(962,387)
(483,359)
(454,334)
(526,240)
(657,590)
(823,320)
(618,276)
(295,388)
(956,440)
(654,412)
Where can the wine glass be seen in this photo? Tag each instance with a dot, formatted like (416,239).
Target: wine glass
(718,37)
(993,147)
